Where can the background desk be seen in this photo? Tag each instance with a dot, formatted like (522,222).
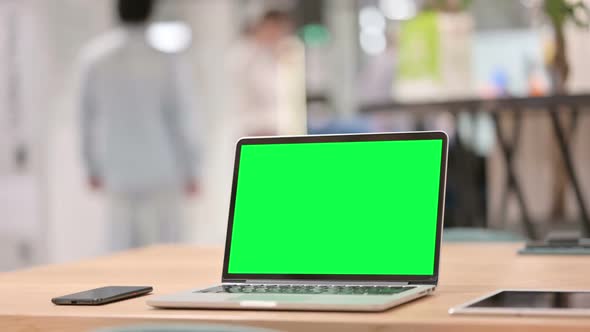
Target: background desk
(468,270)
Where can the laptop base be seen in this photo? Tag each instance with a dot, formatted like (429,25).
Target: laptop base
(193,299)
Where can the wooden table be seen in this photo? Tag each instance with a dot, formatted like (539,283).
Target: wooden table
(468,271)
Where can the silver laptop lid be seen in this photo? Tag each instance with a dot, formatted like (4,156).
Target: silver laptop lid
(359,208)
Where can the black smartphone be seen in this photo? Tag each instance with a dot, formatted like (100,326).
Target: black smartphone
(102,295)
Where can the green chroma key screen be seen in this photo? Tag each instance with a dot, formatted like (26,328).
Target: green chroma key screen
(337,208)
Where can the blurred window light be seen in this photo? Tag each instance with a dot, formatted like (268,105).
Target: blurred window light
(169,37)
(371,17)
(373,41)
(398,9)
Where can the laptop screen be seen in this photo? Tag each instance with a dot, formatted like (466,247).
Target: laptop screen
(336,208)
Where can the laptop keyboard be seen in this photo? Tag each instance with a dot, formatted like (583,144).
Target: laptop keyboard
(306,289)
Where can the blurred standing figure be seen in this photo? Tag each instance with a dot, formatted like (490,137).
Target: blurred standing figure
(135,140)
(264,71)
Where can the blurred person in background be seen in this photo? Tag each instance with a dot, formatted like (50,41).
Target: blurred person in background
(263,67)
(135,131)
(378,75)
(376,84)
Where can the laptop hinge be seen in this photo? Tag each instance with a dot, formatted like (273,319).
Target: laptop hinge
(316,282)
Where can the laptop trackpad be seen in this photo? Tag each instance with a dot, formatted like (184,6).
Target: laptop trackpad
(261,298)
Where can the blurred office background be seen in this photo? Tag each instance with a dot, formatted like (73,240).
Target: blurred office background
(472,68)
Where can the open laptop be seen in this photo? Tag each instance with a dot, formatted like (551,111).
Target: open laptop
(330,222)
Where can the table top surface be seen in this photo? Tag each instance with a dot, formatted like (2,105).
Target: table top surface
(467,271)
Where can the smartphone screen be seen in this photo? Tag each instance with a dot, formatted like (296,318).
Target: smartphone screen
(103,295)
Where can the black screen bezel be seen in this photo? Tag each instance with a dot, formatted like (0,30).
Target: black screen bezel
(422,279)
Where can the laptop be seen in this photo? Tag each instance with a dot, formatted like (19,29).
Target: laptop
(330,222)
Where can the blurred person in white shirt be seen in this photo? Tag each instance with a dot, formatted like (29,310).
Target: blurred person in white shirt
(266,70)
(135,130)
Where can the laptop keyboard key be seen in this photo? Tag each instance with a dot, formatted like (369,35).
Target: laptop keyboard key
(306,289)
